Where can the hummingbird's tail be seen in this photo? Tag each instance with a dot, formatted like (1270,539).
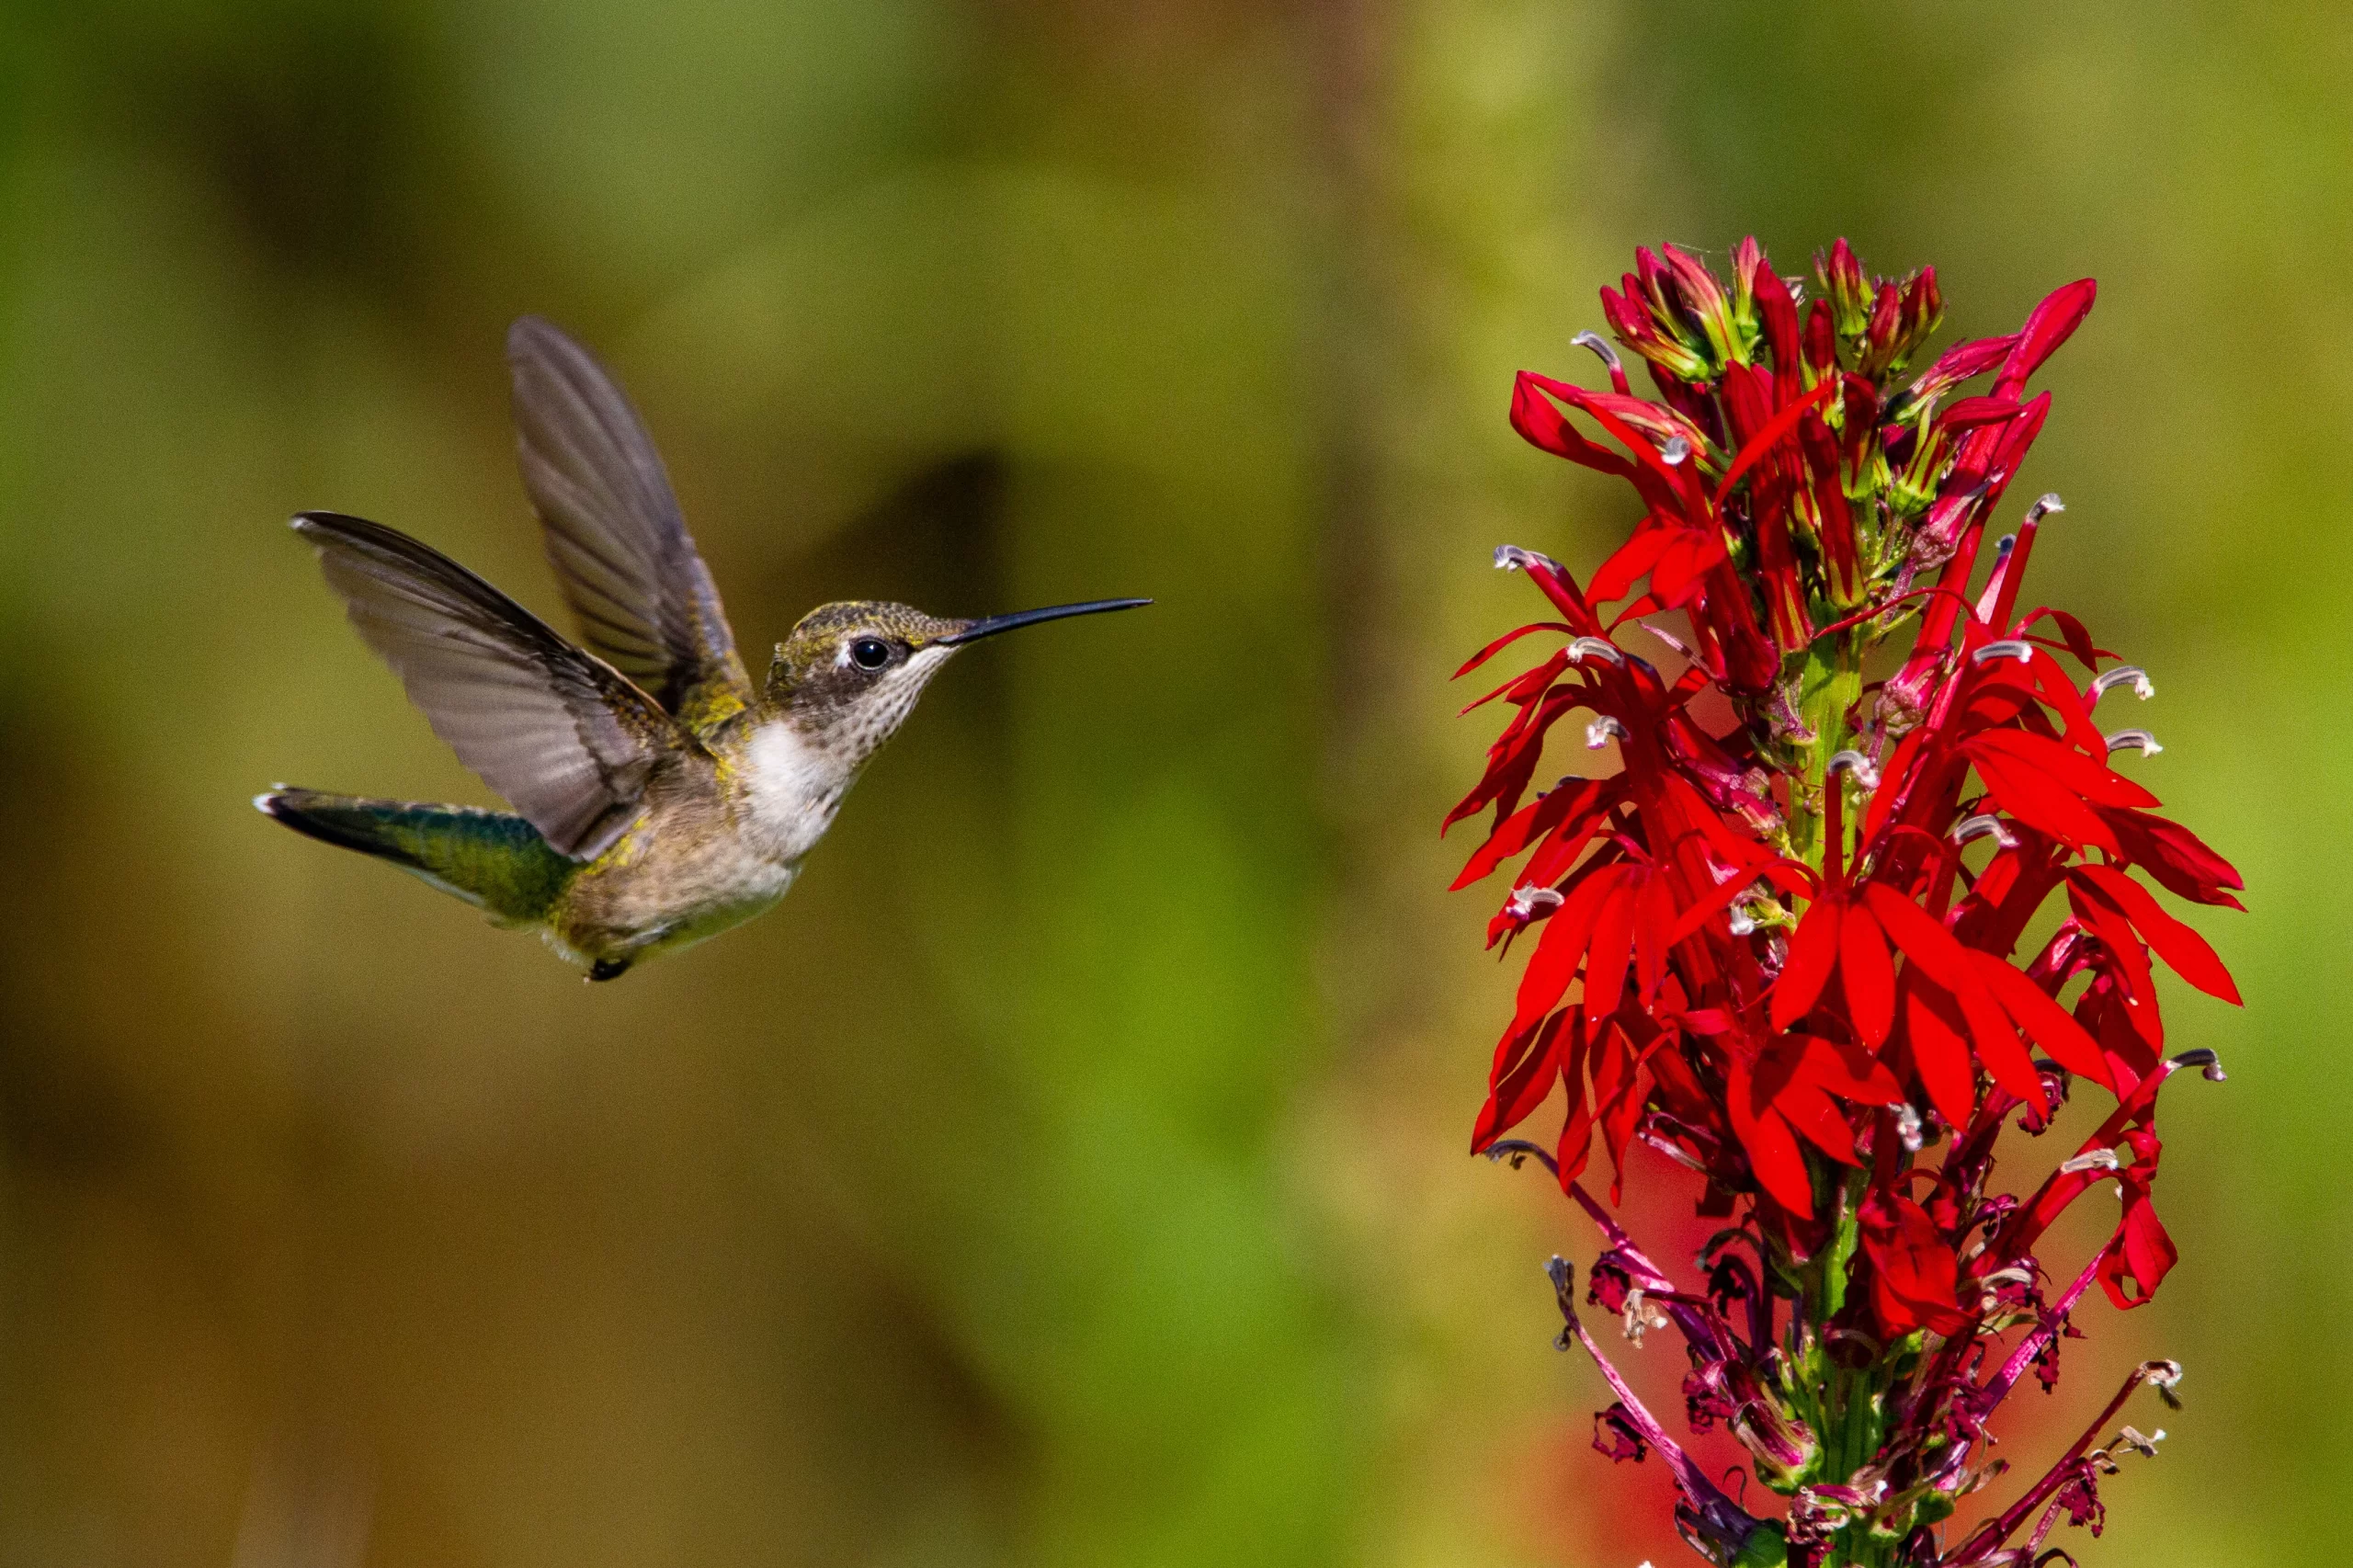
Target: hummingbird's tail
(496,861)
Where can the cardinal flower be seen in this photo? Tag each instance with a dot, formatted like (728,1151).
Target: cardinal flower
(1799,955)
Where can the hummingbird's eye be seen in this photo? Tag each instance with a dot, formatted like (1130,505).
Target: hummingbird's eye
(870,653)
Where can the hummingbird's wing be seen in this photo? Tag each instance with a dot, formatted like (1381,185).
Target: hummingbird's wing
(645,599)
(564,737)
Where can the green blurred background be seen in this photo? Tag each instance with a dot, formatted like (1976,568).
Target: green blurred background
(1070,1172)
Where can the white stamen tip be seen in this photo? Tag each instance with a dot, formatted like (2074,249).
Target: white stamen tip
(2043,506)
(1908,1126)
(1678,448)
(1601,732)
(1856,763)
(1525,902)
(2123,675)
(2006,648)
(1512,557)
(1740,922)
(1600,347)
(1585,648)
(2138,740)
(2097,1160)
(1979,826)
(2209,1065)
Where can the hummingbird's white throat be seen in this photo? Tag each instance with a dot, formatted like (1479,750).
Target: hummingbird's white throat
(792,788)
(796,773)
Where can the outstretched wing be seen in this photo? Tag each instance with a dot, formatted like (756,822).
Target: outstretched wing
(559,732)
(645,599)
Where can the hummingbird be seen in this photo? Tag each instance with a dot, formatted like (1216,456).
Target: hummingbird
(660,797)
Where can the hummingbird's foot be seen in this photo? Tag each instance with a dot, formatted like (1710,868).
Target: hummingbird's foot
(607,969)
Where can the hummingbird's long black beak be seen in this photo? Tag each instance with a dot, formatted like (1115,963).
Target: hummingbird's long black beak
(994,624)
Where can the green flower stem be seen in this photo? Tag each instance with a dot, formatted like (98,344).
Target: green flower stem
(1829,683)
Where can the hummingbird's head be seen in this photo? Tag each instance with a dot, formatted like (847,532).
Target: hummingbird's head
(850,673)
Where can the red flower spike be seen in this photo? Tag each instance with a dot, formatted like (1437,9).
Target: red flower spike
(1772,948)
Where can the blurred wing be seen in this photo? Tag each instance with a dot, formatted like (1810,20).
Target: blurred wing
(564,738)
(645,599)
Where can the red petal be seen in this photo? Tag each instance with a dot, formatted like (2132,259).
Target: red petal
(2137,982)
(1524,686)
(2071,631)
(1961,362)
(1542,425)
(2067,765)
(1576,1127)
(2051,323)
(2041,676)
(2058,1035)
(1948,963)
(1525,1070)
(1999,1048)
(1848,1070)
(1654,917)
(1571,801)
(1932,1028)
(1619,1086)
(2178,857)
(2186,952)
(1557,854)
(1776,429)
(2042,805)
(1631,559)
(1814,951)
(1506,640)
(1721,898)
(1870,974)
(1916,1273)
(1816,1116)
(1971,411)
(1772,1148)
(1613,949)
(2141,1257)
(1895,777)
(1561,948)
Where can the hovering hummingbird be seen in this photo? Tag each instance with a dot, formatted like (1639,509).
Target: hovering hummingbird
(660,797)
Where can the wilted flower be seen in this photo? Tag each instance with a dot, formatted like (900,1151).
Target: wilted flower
(1787,954)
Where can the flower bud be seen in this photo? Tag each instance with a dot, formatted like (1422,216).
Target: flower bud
(1785,1449)
(1882,334)
(1848,291)
(1821,348)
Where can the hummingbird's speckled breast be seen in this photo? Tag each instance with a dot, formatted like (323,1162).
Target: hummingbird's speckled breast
(721,840)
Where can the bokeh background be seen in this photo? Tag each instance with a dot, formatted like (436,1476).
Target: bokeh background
(1070,1172)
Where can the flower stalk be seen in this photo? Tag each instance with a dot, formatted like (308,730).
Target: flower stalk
(1800,955)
